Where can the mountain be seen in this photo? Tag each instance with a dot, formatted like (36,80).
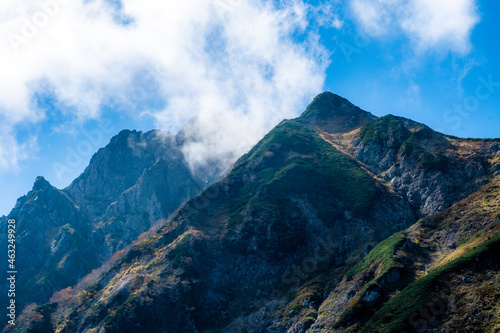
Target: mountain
(337,221)
(429,169)
(129,187)
(441,274)
(54,243)
(120,164)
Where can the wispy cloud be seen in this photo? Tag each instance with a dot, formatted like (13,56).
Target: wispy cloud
(443,25)
(12,152)
(237,65)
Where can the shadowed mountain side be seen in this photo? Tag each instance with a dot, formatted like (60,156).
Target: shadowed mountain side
(429,169)
(308,232)
(440,273)
(233,244)
(160,190)
(117,167)
(130,186)
(54,247)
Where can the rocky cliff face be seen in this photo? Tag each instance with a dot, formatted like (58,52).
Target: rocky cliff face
(118,166)
(131,185)
(439,275)
(288,198)
(158,192)
(55,244)
(430,170)
(316,229)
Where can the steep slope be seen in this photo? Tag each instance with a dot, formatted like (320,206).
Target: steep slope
(160,190)
(120,164)
(238,243)
(430,170)
(55,245)
(440,273)
(131,185)
(291,239)
(334,114)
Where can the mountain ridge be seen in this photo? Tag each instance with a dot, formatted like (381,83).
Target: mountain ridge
(329,215)
(113,203)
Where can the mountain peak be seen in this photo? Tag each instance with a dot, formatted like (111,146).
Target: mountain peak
(334,112)
(123,136)
(327,105)
(41,184)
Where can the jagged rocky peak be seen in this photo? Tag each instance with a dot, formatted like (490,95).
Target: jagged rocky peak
(137,179)
(118,166)
(334,113)
(291,240)
(41,184)
(189,133)
(132,139)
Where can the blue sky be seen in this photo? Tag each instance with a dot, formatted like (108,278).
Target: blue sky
(387,75)
(74,74)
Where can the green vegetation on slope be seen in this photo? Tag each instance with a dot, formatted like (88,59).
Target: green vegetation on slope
(385,129)
(186,278)
(413,148)
(392,132)
(394,315)
(322,105)
(383,254)
(293,159)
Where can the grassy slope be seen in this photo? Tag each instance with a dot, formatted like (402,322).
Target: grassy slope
(397,314)
(407,137)
(385,129)
(382,255)
(290,159)
(473,222)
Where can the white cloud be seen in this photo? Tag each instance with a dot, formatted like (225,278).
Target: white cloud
(429,24)
(233,63)
(328,15)
(11,152)
(376,17)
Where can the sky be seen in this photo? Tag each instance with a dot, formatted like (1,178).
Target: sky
(73,73)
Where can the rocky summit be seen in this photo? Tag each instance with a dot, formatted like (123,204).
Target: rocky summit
(336,221)
(130,187)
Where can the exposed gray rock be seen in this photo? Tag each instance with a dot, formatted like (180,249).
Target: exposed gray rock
(117,167)
(159,191)
(131,185)
(52,247)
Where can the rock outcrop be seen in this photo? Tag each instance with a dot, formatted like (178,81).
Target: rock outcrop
(337,221)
